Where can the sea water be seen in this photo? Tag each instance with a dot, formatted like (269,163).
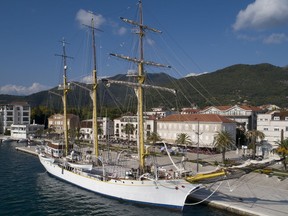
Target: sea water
(26,189)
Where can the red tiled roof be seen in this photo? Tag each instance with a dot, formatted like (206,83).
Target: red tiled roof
(197,117)
(253,108)
(245,107)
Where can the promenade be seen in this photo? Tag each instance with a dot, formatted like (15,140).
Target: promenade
(250,194)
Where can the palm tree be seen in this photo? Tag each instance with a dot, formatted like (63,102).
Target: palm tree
(223,141)
(153,138)
(183,138)
(253,136)
(282,150)
(129,129)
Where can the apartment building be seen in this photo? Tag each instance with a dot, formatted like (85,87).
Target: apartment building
(14,113)
(105,128)
(201,128)
(120,125)
(274,125)
(245,116)
(56,122)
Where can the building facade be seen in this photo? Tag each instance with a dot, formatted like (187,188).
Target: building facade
(245,116)
(14,113)
(56,122)
(274,125)
(201,128)
(105,128)
(121,132)
(25,131)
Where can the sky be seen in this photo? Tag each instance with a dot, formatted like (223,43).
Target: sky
(198,36)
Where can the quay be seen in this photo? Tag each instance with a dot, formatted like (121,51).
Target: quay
(29,149)
(252,194)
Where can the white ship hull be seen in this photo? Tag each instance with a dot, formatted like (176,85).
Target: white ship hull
(166,193)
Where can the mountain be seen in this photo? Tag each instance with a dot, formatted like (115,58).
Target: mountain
(253,84)
(256,84)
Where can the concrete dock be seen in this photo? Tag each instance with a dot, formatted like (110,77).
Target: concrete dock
(251,194)
(28,149)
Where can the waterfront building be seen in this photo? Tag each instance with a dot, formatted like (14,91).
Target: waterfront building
(201,128)
(14,113)
(274,124)
(245,116)
(122,132)
(159,112)
(56,122)
(25,131)
(105,128)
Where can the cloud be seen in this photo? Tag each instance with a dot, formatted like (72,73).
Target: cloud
(84,17)
(122,31)
(22,90)
(262,14)
(150,41)
(195,74)
(89,80)
(275,39)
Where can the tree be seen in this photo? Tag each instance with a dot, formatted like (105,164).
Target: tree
(129,129)
(223,141)
(183,138)
(253,136)
(49,131)
(153,138)
(282,150)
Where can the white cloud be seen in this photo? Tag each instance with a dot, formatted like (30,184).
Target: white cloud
(150,41)
(195,74)
(122,31)
(84,17)
(87,79)
(22,90)
(262,14)
(275,39)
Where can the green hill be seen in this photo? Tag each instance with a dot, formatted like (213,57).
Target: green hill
(252,84)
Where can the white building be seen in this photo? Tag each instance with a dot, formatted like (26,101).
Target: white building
(273,124)
(105,128)
(199,127)
(14,113)
(245,116)
(24,131)
(159,112)
(120,124)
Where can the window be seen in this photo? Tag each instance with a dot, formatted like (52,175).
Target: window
(265,129)
(276,129)
(276,118)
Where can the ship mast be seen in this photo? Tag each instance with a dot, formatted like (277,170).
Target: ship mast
(94,93)
(141,79)
(65,88)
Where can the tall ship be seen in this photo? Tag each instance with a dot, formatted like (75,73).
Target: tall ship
(135,183)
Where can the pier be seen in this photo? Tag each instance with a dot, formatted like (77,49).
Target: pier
(29,149)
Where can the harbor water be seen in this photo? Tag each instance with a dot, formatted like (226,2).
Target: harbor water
(26,189)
